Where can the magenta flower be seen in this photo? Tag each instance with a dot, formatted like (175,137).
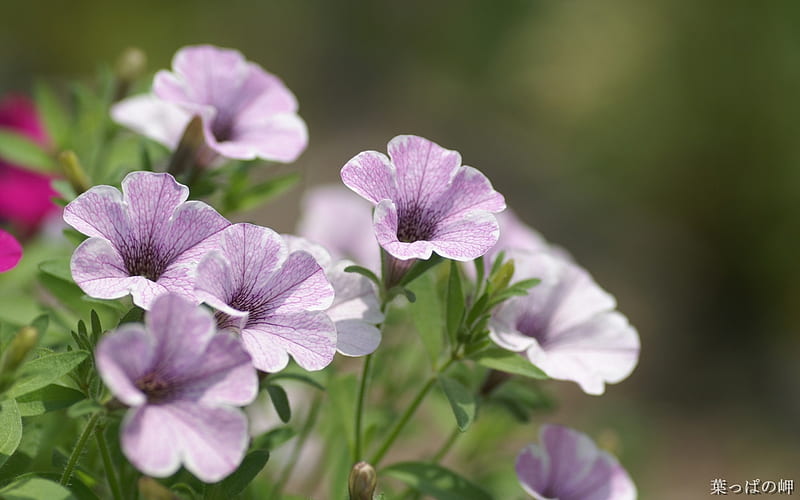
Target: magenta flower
(181,379)
(337,218)
(247,113)
(356,310)
(567,325)
(426,201)
(25,196)
(10,252)
(274,298)
(145,241)
(567,465)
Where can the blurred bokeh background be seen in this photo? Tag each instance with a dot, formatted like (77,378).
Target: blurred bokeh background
(657,141)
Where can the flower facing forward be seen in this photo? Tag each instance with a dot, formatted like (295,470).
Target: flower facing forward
(567,465)
(145,241)
(10,252)
(182,381)
(567,325)
(275,299)
(356,309)
(426,201)
(246,112)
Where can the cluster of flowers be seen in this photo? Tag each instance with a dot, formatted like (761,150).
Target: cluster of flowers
(225,300)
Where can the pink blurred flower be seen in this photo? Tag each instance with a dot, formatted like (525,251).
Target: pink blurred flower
(10,252)
(25,196)
(247,113)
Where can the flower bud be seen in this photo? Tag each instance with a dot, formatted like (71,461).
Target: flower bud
(19,347)
(131,64)
(74,172)
(362,481)
(502,277)
(186,157)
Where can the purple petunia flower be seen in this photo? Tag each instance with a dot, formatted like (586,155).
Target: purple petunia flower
(567,465)
(144,241)
(426,201)
(10,252)
(182,380)
(246,112)
(356,309)
(337,218)
(567,325)
(274,298)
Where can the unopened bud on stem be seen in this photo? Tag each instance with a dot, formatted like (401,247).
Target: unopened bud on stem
(362,482)
(130,66)
(74,172)
(19,347)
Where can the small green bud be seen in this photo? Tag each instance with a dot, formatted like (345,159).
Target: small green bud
(186,157)
(74,172)
(362,481)
(22,343)
(131,64)
(501,279)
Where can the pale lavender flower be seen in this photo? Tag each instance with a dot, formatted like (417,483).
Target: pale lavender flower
(246,112)
(567,325)
(426,201)
(337,219)
(275,299)
(516,235)
(567,465)
(355,310)
(144,241)
(182,381)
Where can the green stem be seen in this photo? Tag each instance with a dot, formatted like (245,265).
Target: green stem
(113,483)
(362,391)
(446,446)
(78,450)
(301,441)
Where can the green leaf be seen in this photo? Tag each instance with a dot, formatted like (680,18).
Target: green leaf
(436,481)
(363,271)
(234,484)
(135,315)
(299,377)
(419,268)
(35,488)
(58,268)
(85,407)
(455,303)
(280,401)
(48,398)
(273,439)
(462,401)
(45,370)
(18,149)
(53,114)
(10,429)
(261,193)
(507,361)
(428,316)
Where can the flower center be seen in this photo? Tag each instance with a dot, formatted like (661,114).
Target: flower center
(244,300)
(222,128)
(144,260)
(154,387)
(532,325)
(415,224)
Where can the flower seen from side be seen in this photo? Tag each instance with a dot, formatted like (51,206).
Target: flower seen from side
(145,241)
(567,465)
(425,200)
(567,325)
(274,298)
(247,113)
(182,380)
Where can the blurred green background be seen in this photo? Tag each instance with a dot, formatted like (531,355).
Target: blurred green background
(657,141)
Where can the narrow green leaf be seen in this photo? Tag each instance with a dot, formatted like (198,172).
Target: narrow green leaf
(299,377)
(53,113)
(261,193)
(20,150)
(10,429)
(280,401)
(48,398)
(85,407)
(507,361)
(364,272)
(45,370)
(234,484)
(462,401)
(428,316)
(436,481)
(58,268)
(455,302)
(97,328)
(419,268)
(135,315)
(526,284)
(274,438)
(35,488)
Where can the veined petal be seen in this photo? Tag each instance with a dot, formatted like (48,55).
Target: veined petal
(385,221)
(98,269)
(371,175)
(297,243)
(469,190)
(100,212)
(190,230)
(149,440)
(150,199)
(424,169)
(203,74)
(146,114)
(279,137)
(124,357)
(299,285)
(356,337)
(467,237)
(309,337)
(254,254)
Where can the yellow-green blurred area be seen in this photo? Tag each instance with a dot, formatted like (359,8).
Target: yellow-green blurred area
(657,141)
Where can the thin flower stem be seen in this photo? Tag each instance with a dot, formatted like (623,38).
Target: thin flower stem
(111,475)
(398,427)
(446,446)
(305,431)
(78,450)
(362,390)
